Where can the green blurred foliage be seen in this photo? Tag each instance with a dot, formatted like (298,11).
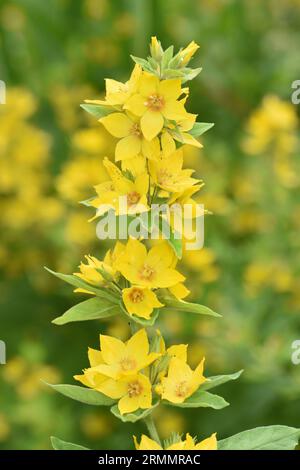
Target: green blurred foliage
(55,54)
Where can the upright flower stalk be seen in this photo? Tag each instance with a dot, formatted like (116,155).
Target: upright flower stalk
(138,278)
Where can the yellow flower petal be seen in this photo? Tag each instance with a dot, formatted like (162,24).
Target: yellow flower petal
(117,124)
(179,351)
(151,124)
(112,349)
(169,277)
(207,444)
(148,84)
(179,291)
(170,89)
(95,357)
(146,444)
(127,147)
(136,104)
(174,110)
(114,389)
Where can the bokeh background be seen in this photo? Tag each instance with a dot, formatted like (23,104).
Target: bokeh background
(53,55)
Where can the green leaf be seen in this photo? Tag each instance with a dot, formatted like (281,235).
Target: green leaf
(200,127)
(217,380)
(143,63)
(97,110)
(132,417)
(201,399)
(58,444)
(82,394)
(263,438)
(91,309)
(190,74)
(172,303)
(167,56)
(77,282)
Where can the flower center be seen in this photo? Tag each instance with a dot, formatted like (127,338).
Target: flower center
(136,295)
(147,272)
(128,364)
(181,389)
(134,389)
(163,176)
(155,102)
(133,198)
(135,130)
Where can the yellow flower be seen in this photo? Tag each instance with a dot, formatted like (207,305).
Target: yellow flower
(91,377)
(132,142)
(122,359)
(140,301)
(155,101)
(152,269)
(117,93)
(167,173)
(181,381)
(121,194)
(88,272)
(115,370)
(189,444)
(132,391)
(187,53)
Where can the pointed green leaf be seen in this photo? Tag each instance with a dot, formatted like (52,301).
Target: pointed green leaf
(82,394)
(58,444)
(79,283)
(97,110)
(132,417)
(200,127)
(217,380)
(171,302)
(143,63)
(91,309)
(263,438)
(201,399)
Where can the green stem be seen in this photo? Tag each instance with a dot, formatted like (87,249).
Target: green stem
(152,429)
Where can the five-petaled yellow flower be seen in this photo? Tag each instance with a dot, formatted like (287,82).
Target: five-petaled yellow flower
(132,391)
(122,359)
(153,269)
(115,371)
(126,127)
(155,101)
(121,194)
(181,381)
(140,301)
(117,93)
(167,173)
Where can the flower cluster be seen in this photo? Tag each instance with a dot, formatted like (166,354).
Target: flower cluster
(137,378)
(148,117)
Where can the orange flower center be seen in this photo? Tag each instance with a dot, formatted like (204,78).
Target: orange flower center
(163,176)
(136,130)
(128,364)
(133,198)
(136,295)
(134,389)
(147,272)
(155,102)
(181,389)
